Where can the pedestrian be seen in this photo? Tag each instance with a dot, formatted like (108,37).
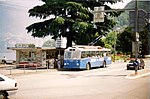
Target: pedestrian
(142,63)
(136,63)
(59,62)
(48,64)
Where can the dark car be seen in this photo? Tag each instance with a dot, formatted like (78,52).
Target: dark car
(133,63)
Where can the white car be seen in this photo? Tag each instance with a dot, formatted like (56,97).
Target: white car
(8,86)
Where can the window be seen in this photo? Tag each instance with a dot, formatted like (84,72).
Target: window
(72,55)
(100,54)
(84,54)
(68,55)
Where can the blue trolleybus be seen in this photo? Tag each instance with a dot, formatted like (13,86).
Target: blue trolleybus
(86,57)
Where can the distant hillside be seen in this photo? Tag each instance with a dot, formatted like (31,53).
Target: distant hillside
(14,18)
(141,5)
(123,19)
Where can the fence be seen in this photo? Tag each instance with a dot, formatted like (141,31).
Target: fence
(12,69)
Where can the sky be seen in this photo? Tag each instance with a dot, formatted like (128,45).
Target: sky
(120,4)
(117,5)
(12,11)
(14,19)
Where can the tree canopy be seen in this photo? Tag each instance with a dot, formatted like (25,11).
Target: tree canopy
(124,42)
(72,19)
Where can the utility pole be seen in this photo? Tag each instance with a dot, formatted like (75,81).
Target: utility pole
(149,34)
(136,29)
(136,33)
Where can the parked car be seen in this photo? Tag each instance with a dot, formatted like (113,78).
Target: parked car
(8,86)
(133,63)
(4,60)
(7,61)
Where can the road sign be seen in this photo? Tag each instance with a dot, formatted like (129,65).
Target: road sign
(141,21)
(99,14)
(142,13)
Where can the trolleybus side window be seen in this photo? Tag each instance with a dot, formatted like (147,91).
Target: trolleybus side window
(97,54)
(83,54)
(106,53)
(101,54)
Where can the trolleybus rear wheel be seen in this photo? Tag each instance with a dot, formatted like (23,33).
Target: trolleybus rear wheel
(104,64)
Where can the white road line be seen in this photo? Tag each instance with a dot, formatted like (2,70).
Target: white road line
(135,77)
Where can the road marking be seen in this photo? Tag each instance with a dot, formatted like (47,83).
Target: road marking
(89,74)
(135,77)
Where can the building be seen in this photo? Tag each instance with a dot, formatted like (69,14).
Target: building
(31,56)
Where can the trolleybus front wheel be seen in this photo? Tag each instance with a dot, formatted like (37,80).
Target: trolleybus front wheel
(88,67)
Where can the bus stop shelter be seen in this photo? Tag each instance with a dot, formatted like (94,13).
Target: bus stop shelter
(31,56)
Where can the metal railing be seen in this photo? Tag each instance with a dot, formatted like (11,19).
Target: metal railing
(18,68)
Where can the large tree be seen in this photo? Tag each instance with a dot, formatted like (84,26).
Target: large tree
(111,39)
(124,42)
(72,19)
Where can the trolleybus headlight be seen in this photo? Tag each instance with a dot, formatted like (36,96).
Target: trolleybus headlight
(77,64)
(65,63)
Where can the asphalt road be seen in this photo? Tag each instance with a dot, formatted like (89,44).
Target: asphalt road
(100,83)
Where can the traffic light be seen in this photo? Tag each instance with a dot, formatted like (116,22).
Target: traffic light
(140,47)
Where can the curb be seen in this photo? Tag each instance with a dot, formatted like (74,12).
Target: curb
(142,73)
(5,65)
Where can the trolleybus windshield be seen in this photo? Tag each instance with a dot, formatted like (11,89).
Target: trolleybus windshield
(72,55)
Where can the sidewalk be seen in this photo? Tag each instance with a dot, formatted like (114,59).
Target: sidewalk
(3,65)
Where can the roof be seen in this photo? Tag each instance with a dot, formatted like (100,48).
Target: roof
(35,48)
(87,48)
